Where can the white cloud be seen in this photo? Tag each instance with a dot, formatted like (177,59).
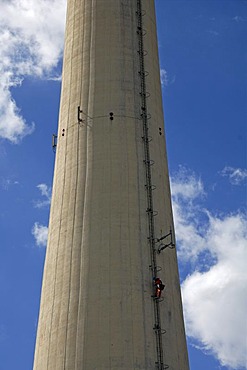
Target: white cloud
(236,175)
(12,125)
(45,190)
(213,32)
(238,18)
(186,188)
(31,43)
(186,184)
(6,183)
(46,193)
(40,233)
(55,78)
(163,77)
(165,80)
(214,294)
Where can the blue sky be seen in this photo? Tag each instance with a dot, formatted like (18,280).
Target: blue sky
(203,60)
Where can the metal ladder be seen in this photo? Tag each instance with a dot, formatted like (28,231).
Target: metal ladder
(145,116)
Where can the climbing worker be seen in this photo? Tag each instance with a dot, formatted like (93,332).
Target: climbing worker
(159,286)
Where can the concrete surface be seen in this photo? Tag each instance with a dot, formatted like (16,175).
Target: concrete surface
(96,308)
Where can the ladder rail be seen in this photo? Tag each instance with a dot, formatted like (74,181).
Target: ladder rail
(149,186)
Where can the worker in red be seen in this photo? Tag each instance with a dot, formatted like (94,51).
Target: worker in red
(159,286)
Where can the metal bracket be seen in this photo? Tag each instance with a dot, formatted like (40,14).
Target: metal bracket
(79,111)
(54,142)
(162,246)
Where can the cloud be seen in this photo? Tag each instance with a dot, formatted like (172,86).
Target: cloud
(55,78)
(213,32)
(238,18)
(30,45)
(186,188)
(186,185)
(6,183)
(40,233)
(45,190)
(214,293)
(12,125)
(46,193)
(236,175)
(163,77)
(165,81)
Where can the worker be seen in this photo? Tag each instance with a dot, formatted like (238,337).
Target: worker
(159,286)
